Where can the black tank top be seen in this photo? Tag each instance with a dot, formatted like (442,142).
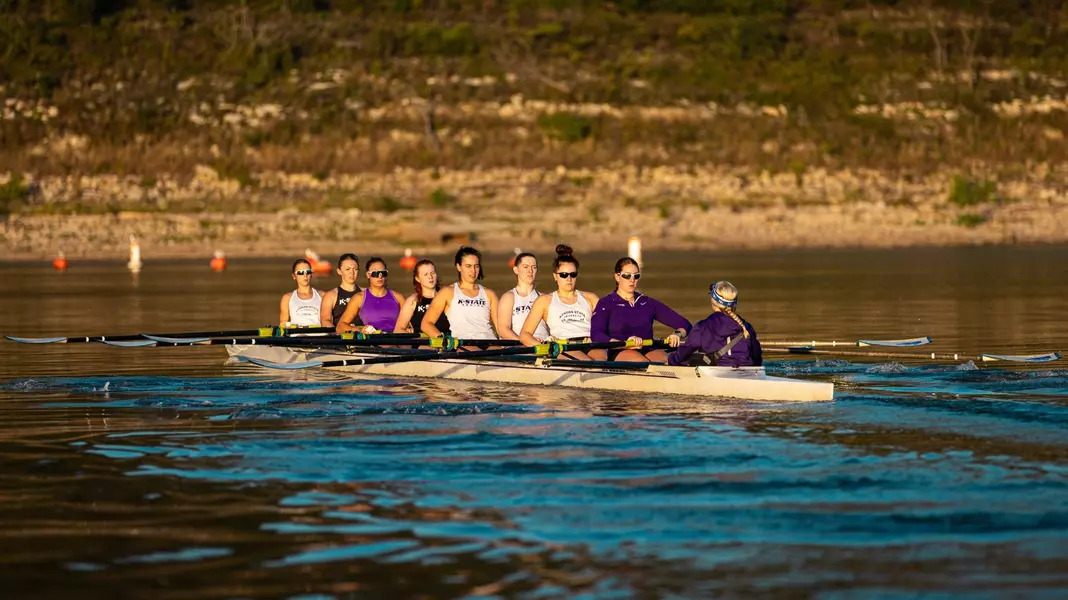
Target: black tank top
(420,311)
(343,297)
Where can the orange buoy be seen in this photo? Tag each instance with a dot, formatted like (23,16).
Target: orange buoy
(321,266)
(511,261)
(218,262)
(59,263)
(407,262)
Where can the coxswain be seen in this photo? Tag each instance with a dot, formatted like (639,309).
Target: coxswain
(723,338)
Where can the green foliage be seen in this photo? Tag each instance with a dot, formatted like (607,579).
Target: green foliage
(964,191)
(12,194)
(441,199)
(235,169)
(565,126)
(388,204)
(971,220)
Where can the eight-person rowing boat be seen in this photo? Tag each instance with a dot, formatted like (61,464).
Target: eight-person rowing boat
(568,338)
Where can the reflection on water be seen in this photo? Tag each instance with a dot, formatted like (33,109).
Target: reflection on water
(163,472)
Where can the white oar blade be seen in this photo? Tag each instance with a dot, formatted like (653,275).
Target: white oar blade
(129,344)
(920,341)
(1031,358)
(175,340)
(48,340)
(290,366)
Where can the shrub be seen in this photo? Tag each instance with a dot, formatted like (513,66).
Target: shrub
(441,199)
(970,220)
(566,127)
(964,191)
(12,194)
(388,204)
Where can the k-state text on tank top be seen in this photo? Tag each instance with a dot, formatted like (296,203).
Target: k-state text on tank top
(464,301)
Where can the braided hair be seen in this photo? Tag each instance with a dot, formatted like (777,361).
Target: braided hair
(724,298)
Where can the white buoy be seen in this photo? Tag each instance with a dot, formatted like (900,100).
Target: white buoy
(634,249)
(135,255)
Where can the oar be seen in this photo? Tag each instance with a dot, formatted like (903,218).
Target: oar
(1030,358)
(550,349)
(447,343)
(262,331)
(920,341)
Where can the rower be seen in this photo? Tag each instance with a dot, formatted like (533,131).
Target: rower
(515,303)
(300,308)
(337,300)
(627,314)
(471,308)
(723,338)
(566,312)
(425,281)
(377,305)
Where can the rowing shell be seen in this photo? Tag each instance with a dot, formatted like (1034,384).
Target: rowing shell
(750,383)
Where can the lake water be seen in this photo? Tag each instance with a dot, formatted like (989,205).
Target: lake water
(165,473)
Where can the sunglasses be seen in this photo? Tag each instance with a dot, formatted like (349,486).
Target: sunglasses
(382,273)
(629,276)
(303,272)
(564,275)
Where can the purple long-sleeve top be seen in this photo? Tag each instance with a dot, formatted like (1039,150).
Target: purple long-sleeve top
(615,318)
(710,334)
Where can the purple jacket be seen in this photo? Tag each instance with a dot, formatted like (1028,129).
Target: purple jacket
(710,334)
(615,318)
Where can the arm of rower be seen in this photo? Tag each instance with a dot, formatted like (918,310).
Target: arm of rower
(493,302)
(504,317)
(437,306)
(283,316)
(535,316)
(326,308)
(599,323)
(344,324)
(682,354)
(666,315)
(404,319)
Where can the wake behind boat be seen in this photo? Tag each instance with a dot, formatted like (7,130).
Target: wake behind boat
(749,383)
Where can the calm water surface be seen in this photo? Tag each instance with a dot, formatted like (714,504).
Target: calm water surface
(165,473)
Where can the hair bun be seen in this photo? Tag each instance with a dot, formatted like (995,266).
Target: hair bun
(564,250)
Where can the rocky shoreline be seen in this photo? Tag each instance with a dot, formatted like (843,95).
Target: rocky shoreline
(596,209)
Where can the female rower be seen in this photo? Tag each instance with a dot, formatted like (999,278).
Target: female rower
(425,280)
(471,308)
(377,305)
(566,311)
(627,314)
(723,338)
(337,300)
(300,307)
(515,303)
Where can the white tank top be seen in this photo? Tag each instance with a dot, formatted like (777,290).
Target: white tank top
(521,308)
(469,318)
(567,321)
(304,313)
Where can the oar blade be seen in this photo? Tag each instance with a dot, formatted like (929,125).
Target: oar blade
(175,340)
(1030,358)
(129,344)
(42,340)
(286,366)
(919,341)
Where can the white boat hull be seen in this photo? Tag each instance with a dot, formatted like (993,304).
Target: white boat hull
(750,383)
